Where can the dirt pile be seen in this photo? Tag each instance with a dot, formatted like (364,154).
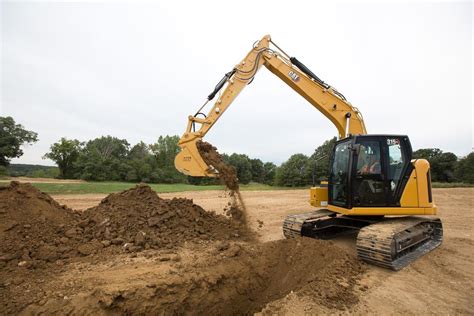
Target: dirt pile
(32,225)
(139,219)
(228,176)
(35,229)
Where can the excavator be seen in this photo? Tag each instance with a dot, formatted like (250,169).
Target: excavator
(374,189)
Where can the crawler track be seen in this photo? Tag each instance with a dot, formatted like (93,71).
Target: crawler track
(391,243)
(293,224)
(394,243)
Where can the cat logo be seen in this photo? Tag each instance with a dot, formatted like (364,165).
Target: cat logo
(294,76)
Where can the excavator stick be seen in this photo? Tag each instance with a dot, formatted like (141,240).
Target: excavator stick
(189,161)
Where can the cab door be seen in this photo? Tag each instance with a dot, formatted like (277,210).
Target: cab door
(399,167)
(369,185)
(339,178)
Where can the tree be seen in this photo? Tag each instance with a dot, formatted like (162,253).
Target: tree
(165,149)
(269,177)
(104,158)
(242,165)
(442,164)
(320,160)
(294,172)
(12,137)
(464,170)
(65,154)
(140,162)
(427,153)
(164,152)
(257,170)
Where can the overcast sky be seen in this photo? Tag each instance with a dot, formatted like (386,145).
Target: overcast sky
(137,70)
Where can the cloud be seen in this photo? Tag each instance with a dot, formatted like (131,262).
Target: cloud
(137,70)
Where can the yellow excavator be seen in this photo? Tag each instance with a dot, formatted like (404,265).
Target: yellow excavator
(374,186)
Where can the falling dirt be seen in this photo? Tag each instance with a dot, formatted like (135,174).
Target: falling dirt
(228,175)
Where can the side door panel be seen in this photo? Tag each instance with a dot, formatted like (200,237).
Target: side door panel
(399,167)
(339,179)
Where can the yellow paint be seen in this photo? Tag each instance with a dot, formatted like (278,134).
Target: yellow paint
(318,196)
(410,193)
(384,210)
(422,168)
(414,200)
(325,100)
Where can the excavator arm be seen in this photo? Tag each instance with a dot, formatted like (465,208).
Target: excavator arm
(347,119)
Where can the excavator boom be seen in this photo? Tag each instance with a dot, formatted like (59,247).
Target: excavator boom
(371,176)
(347,119)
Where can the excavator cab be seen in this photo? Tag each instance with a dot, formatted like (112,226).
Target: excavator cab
(369,171)
(371,178)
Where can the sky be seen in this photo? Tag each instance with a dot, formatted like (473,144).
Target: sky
(136,70)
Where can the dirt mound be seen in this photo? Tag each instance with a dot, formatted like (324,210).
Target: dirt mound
(32,225)
(228,176)
(139,219)
(223,275)
(35,229)
(231,279)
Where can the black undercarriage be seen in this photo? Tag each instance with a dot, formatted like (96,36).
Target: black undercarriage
(390,242)
(334,225)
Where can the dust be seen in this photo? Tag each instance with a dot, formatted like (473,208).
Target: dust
(228,175)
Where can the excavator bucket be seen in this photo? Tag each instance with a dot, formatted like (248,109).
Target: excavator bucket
(189,161)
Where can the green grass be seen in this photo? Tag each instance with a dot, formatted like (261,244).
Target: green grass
(111,187)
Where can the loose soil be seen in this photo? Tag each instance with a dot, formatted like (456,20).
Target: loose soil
(35,229)
(202,262)
(218,279)
(32,225)
(140,219)
(234,276)
(228,176)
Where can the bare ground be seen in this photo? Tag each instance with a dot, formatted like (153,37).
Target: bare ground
(215,276)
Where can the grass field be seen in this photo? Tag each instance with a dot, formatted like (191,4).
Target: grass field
(110,187)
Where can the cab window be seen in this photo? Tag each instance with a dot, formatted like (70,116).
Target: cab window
(396,162)
(368,183)
(368,161)
(339,174)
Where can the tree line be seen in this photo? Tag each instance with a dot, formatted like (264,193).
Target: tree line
(109,158)
(113,159)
